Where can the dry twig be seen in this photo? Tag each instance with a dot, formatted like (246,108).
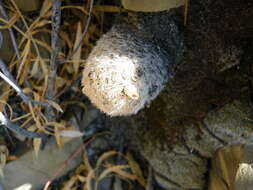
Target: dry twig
(83,34)
(13,39)
(7,77)
(16,129)
(85,29)
(56,20)
(1,39)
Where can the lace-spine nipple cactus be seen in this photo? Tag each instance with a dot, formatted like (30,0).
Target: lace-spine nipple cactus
(124,72)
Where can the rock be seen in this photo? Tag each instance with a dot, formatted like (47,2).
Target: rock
(151,5)
(33,172)
(223,127)
(183,164)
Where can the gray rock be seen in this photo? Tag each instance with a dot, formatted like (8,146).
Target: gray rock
(33,172)
(184,165)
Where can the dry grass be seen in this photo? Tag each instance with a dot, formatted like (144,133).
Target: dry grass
(88,178)
(30,66)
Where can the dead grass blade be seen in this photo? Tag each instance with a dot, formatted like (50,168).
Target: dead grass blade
(77,55)
(24,56)
(21,117)
(36,145)
(90,177)
(136,170)
(105,156)
(118,170)
(4,97)
(186,11)
(10,22)
(35,118)
(58,138)
(76,7)
(47,5)
(71,133)
(91,173)
(68,185)
(108,8)
(55,105)
(4,103)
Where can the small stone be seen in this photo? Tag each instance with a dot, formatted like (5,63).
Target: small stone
(33,172)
